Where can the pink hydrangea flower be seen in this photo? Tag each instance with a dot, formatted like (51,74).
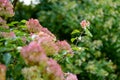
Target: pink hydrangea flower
(54,70)
(47,43)
(64,45)
(2,72)
(45,30)
(46,35)
(33,53)
(33,25)
(6,8)
(70,76)
(8,35)
(3,24)
(85,24)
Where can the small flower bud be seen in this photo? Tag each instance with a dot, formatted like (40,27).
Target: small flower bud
(79,38)
(85,24)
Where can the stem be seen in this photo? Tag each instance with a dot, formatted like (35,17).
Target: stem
(78,37)
(14,3)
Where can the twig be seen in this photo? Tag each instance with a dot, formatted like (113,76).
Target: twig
(14,3)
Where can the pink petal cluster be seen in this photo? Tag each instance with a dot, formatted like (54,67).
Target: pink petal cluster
(33,53)
(33,25)
(49,46)
(2,72)
(6,8)
(84,23)
(45,30)
(64,45)
(54,70)
(45,35)
(3,24)
(7,34)
(70,76)
(47,43)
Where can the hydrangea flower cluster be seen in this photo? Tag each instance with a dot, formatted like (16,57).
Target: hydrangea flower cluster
(64,45)
(7,34)
(32,73)
(3,24)
(37,53)
(6,8)
(2,72)
(54,70)
(70,76)
(33,25)
(33,54)
(84,24)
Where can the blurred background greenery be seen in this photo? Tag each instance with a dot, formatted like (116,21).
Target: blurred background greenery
(61,17)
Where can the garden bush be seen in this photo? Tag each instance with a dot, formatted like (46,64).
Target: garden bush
(29,51)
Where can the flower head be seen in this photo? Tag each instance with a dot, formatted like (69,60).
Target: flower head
(33,53)
(3,24)
(2,72)
(70,76)
(47,43)
(64,45)
(6,8)
(46,31)
(85,24)
(54,69)
(7,35)
(33,25)
(29,72)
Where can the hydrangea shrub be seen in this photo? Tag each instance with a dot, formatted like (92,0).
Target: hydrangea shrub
(29,51)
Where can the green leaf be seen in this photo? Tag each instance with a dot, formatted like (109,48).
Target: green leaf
(67,60)
(88,33)
(23,21)
(3,49)
(7,58)
(13,23)
(75,48)
(73,39)
(71,5)
(75,31)
(23,27)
